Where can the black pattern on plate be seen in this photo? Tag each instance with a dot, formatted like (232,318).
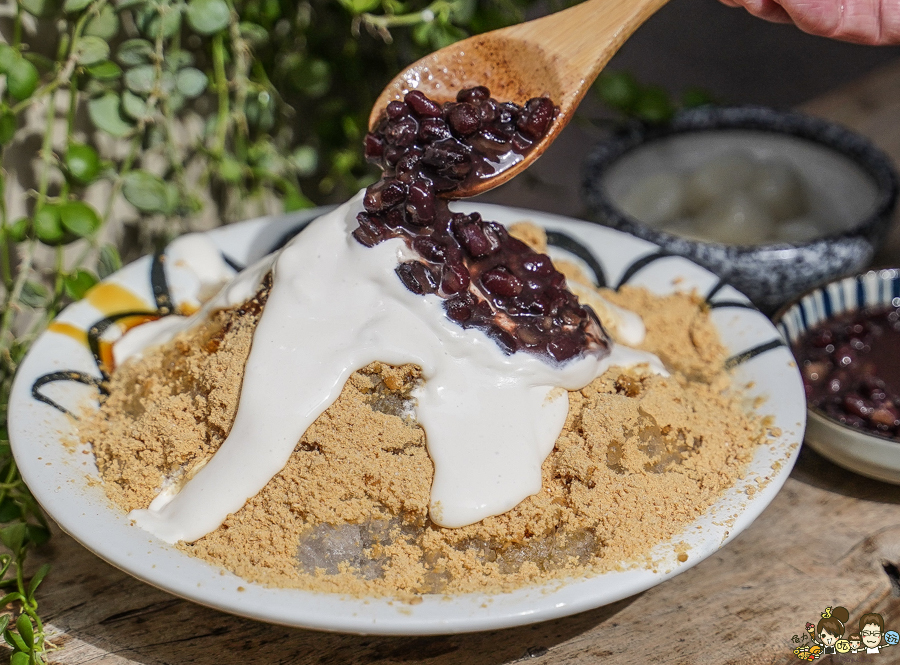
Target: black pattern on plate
(573,246)
(164,306)
(159,285)
(749,354)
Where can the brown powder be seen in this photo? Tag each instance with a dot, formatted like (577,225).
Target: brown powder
(640,457)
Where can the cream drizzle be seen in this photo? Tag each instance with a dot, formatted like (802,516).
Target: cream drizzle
(335,306)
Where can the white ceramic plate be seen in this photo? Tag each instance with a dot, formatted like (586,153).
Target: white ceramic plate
(60,472)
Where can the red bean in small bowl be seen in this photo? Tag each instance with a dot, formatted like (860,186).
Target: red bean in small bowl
(845,336)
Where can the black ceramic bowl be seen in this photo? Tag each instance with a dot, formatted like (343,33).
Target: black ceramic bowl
(840,169)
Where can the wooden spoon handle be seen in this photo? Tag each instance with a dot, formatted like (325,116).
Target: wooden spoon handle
(558,55)
(579,41)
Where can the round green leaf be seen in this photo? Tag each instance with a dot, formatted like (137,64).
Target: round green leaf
(618,90)
(134,106)
(462,12)
(191,82)
(445,34)
(134,52)
(12,536)
(79,218)
(167,82)
(48,225)
(42,62)
(164,23)
(105,114)
(146,192)
(41,8)
(178,58)
(9,510)
(21,79)
(34,294)
(361,6)
(20,658)
(26,629)
(176,102)
(422,34)
(294,199)
(172,197)
(91,50)
(82,163)
(653,105)
(38,534)
(8,56)
(141,79)
(230,170)
(109,261)
(105,25)
(8,125)
(75,5)
(78,283)
(253,33)
(18,231)
(270,10)
(95,87)
(208,16)
(105,71)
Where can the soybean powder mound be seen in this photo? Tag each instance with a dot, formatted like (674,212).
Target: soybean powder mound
(640,457)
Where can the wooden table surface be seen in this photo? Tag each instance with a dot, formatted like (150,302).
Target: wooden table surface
(829,538)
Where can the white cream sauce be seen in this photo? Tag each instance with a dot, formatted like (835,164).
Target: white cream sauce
(335,306)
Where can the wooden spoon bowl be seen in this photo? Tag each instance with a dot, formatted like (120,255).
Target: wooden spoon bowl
(557,56)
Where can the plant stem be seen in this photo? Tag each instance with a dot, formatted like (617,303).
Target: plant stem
(12,298)
(218,49)
(47,158)
(17,27)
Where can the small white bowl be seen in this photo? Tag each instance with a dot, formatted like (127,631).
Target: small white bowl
(867,454)
(846,177)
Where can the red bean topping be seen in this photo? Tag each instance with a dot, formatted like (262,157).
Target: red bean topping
(851,371)
(465,119)
(417,277)
(501,282)
(421,105)
(488,280)
(473,94)
(396,110)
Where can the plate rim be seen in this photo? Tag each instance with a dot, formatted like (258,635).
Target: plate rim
(527,605)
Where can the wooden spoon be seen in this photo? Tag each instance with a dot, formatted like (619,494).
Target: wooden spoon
(558,56)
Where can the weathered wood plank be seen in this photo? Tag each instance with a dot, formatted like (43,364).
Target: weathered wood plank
(822,542)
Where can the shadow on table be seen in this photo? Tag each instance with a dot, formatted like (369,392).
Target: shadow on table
(813,469)
(109,617)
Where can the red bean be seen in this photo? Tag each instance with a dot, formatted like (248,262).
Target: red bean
(421,105)
(488,280)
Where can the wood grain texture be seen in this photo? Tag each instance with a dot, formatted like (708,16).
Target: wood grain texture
(829,538)
(823,541)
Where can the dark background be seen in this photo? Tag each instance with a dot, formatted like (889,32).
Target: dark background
(738,58)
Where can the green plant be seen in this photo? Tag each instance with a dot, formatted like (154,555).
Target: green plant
(180,109)
(622,93)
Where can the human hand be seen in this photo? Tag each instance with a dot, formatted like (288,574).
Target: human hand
(873,22)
